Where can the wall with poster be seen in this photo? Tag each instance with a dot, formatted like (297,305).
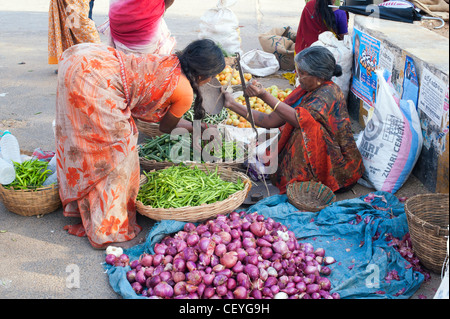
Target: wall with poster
(419,72)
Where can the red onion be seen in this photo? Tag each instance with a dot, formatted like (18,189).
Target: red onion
(165,276)
(220,250)
(221,290)
(320,252)
(151,282)
(178,276)
(179,288)
(163,290)
(219,280)
(201,229)
(240,293)
(325,270)
(301,286)
(206,245)
(312,288)
(243,280)
(256,294)
(179,265)
(208,279)
(238,267)
(190,254)
(248,242)
(280,247)
(335,295)
(110,259)
(204,259)
(263,243)
(131,275)
(225,236)
(235,234)
(191,288)
(315,295)
(209,292)
(135,263)
(137,287)
(258,229)
(201,289)
(253,259)
(189,227)
(310,270)
(231,283)
(190,265)
(157,259)
(229,259)
(192,239)
(194,277)
(160,248)
(325,283)
(252,271)
(267,292)
(329,260)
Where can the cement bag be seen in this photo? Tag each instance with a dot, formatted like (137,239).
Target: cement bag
(281,43)
(391,141)
(342,51)
(221,25)
(259,63)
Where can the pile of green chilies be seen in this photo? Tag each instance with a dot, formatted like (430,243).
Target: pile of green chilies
(30,174)
(181,186)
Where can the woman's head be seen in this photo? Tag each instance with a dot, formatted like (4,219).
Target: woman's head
(200,61)
(316,65)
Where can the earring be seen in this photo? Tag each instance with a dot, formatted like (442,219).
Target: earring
(319,83)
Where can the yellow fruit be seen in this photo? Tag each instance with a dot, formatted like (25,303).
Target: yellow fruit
(236,122)
(268,110)
(229,121)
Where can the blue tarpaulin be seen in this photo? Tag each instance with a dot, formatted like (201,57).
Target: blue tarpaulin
(352,231)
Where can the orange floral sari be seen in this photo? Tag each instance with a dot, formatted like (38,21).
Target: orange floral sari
(69,24)
(99,92)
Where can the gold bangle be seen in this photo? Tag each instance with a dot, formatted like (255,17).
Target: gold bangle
(276,105)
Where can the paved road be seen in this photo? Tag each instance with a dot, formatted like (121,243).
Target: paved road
(38,259)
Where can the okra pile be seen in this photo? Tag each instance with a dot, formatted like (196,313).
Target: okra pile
(30,174)
(181,186)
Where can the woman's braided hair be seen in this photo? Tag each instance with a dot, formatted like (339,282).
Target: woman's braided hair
(200,60)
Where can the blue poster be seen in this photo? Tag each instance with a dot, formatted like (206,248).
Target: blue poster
(410,82)
(366,51)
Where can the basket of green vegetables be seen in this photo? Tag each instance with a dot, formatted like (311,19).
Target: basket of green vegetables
(26,195)
(191,193)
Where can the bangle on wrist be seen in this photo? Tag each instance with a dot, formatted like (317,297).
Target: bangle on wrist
(276,105)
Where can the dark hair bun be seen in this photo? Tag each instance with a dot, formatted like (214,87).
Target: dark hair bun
(337,70)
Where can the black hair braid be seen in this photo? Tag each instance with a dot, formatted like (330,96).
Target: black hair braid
(199,111)
(200,60)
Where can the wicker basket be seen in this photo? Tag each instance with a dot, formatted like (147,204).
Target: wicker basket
(309,196)
(202,212)
(29,202)
(427,216)
(148,128)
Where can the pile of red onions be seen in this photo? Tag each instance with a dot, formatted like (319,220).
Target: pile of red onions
(239,256)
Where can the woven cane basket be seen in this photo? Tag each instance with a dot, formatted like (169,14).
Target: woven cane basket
(148,165)
(427,216)
(147,128)
(30,202)
(202,212)
(309,196)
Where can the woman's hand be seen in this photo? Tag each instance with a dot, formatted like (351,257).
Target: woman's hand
(229,100)
(255,89)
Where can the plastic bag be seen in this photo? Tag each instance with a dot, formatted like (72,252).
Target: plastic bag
(259,63)
(222,25)
(391,141)
(281,43)
(342,51)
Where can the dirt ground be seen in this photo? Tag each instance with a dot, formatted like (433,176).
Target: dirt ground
(430,25)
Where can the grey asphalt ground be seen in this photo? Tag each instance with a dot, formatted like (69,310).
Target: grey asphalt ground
(38,259)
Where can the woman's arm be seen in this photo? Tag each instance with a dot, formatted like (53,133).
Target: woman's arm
(271,120)
(281,110)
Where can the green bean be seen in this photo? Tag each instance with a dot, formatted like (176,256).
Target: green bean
(180,186)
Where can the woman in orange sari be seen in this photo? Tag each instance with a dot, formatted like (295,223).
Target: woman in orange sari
(69,24)
(316,140)
(100,90)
